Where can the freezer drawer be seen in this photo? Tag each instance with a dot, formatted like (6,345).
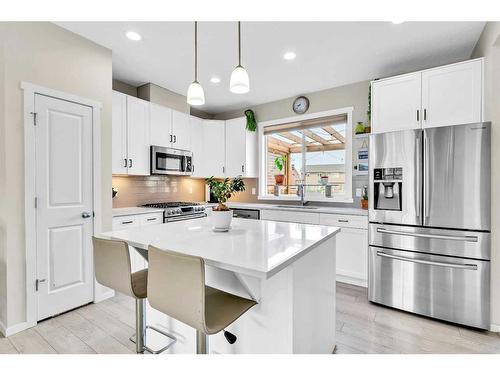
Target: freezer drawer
(447,288)
(456,243)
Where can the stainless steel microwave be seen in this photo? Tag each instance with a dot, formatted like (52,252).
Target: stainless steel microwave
(165,160)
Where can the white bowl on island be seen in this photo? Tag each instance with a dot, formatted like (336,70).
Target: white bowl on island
(221,220)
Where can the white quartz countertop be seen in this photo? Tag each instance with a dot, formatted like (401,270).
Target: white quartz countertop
(252,247)
(125,211)
(309,208)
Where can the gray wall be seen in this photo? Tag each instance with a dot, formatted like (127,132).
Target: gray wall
(353,95)
(47,55)
(488,47)
(124,88)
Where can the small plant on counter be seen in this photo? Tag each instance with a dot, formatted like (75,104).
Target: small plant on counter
(224,189)
(364,198)
(280,162)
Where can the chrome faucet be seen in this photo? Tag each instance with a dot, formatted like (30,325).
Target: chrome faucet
(300,193)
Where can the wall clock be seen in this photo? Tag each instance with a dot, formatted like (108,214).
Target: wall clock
(300,105)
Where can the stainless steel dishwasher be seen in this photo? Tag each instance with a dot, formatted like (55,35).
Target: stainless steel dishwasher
(245,213)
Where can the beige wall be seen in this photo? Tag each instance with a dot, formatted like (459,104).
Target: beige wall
(353,95)
(159,95)
(137,190)
(47,55)
(488,47)
(3,236)
(124,88)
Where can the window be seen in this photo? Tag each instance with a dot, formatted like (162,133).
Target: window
(313,150)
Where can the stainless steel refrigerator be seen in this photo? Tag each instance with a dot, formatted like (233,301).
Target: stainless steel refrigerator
(429,231)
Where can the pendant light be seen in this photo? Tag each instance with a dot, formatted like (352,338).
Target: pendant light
(195,94)
(239,83)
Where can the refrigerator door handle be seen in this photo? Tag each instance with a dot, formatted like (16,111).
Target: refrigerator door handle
(418,167)
(429,262)
(424,235)
(426,178)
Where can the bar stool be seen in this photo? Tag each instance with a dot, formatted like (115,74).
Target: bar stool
(112,269)
(176,287)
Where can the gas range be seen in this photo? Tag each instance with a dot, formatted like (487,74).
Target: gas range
(175,211)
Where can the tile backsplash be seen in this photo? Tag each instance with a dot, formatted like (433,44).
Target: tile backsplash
(136,190)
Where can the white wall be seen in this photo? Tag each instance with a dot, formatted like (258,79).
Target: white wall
(47,55)
(488,47)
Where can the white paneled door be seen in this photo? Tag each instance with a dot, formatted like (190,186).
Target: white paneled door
(64,205)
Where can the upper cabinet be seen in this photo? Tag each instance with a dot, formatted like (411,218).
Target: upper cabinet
(161,125)
(196,128)
(130,130)
(138,139)
(181,135)
(396,103)
(241,146)
(213,148)
(453,94)
(442,96)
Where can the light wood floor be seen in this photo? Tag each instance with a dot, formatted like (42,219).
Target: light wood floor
(362,327)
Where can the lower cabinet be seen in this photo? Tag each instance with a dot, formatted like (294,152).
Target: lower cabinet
(352,241)
(137,261)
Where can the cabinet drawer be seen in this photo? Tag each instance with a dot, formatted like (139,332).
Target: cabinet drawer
(290,216)
(151,219)
(345,221)
(124,222)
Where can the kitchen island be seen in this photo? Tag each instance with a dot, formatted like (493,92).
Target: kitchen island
(288,268)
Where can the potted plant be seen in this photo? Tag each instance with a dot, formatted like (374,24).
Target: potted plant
(222,191)
(279,162)
(364,201)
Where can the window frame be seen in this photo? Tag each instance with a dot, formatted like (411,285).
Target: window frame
(336,198)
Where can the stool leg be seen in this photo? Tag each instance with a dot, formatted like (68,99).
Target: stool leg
(140,325)
(201,343)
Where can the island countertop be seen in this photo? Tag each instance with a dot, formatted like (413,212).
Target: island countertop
(259,248)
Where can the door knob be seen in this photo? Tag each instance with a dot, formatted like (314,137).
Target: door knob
(86,215)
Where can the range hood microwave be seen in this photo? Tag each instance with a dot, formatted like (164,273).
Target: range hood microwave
(171,161)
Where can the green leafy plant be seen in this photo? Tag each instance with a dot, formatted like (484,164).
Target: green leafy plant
(251,122)
(279,162)
(224,189)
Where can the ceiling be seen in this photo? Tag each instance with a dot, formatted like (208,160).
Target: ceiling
(329,54)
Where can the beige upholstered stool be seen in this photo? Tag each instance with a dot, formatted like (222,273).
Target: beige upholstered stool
(176,287)
(112,269)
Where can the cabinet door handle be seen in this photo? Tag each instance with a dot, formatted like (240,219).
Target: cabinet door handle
(152,219)
(175,139)
(170,138)
(243,168)
(130,163)
(223,169)
(343,221)
(418,115)
(425,114)
(127,222)
(125,165)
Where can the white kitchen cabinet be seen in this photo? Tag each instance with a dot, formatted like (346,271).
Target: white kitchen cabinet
(352,247)
(290,216)
(181,134)
(214,148)
(196,129)
(452,94)
(442,96)
(396,103)
(241,149)
(119,131)
(138,138)
(161,125)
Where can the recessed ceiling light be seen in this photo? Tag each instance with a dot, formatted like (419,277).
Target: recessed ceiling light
(397,22)
(132,35)
(289,55)
(215,79)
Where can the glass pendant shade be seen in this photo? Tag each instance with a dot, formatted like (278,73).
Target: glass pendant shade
(239,83)
(195,94)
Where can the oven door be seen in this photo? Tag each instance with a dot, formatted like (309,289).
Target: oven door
(442,287)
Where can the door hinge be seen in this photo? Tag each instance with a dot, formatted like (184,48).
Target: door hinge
(36,202)
(37,283)
(34,117)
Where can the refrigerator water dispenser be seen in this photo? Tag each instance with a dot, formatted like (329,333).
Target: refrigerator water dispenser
(388,186)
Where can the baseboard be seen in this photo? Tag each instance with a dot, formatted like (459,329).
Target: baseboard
(12,330)
(103,296)
(495,327)
(352,280)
